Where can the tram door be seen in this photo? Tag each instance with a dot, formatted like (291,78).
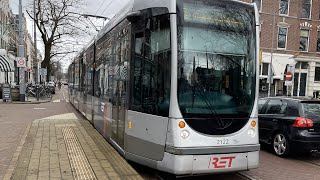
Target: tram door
(120,84)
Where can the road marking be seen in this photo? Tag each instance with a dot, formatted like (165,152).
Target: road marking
(64,97)
(57,100)
(39,108)
(63,116)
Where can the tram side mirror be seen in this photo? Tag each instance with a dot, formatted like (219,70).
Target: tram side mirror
(134,16)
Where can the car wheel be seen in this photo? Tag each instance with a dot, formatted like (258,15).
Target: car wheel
(280,144)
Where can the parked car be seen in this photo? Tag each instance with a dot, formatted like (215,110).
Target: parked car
(52,87)
(289,124)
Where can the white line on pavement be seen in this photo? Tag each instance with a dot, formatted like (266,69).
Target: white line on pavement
(64,97)
(39,108)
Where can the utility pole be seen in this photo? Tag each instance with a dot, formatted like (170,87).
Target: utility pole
(35,48)
(22,84)
(270,73)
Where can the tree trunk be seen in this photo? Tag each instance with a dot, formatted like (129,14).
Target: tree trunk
(46,60)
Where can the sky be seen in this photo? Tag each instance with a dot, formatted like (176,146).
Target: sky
(106,8)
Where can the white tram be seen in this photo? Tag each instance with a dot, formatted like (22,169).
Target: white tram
(173,85)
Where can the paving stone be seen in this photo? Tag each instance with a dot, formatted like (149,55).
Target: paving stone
(45,153)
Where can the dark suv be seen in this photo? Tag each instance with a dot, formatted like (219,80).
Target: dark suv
(289,124)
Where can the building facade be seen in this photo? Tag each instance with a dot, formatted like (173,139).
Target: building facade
(7,60)
(290,37)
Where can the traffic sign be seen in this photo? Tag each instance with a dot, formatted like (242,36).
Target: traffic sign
(21,62)
(43,71)
(289,76)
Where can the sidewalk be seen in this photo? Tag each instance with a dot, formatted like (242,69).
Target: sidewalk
(29,100)
(65,147)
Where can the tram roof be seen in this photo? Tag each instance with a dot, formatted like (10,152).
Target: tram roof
(133,6)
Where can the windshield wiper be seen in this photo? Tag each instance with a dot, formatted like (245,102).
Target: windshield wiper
(211,107)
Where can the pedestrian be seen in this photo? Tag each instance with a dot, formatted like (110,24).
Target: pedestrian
(59,85)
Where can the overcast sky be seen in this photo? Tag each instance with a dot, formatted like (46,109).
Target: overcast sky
(107,8)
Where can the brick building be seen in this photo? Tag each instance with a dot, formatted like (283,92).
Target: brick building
(290,30)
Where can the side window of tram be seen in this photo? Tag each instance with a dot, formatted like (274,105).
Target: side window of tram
(152,67)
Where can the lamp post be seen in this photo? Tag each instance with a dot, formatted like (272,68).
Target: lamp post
(272,46)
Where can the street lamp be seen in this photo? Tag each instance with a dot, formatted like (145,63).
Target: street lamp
(272,46)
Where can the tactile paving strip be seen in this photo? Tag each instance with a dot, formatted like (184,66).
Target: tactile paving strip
(78,160)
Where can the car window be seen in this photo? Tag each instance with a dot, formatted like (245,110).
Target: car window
(261,104)
(311,110)
(276,106)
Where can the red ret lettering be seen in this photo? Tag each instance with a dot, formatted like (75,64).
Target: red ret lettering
(221,162)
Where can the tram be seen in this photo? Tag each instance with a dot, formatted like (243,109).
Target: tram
(173,85)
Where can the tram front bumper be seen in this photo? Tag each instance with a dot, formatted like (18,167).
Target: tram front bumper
(208,164)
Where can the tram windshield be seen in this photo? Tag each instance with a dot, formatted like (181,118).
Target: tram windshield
(216,65)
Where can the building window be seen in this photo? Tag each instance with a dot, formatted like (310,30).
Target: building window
(318,42)
(306,8)
(282,37)
(284,7)
(265,69)
(304,65)
(304,40)
(317,74)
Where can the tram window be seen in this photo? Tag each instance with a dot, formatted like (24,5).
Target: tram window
(152,68)
(139,43)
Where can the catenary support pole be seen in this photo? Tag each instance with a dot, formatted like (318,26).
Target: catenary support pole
(22,84)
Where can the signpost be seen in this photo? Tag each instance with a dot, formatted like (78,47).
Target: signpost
(6,92)
(289,77)
(42,73)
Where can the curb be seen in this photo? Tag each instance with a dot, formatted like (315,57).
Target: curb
(27,102)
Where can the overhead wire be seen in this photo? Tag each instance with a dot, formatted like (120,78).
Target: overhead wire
(100,7)
(104,10)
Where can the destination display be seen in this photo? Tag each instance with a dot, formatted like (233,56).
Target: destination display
(206,14)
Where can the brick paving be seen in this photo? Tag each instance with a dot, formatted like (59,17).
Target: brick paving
(293,168)
(41,147)
(45,153)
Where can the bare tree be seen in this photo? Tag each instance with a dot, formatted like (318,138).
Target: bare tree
(57,21)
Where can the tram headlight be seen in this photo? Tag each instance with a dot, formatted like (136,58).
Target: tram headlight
(251,132)
(185,134)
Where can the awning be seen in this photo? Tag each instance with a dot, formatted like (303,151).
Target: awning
(5,66)
(279,63)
